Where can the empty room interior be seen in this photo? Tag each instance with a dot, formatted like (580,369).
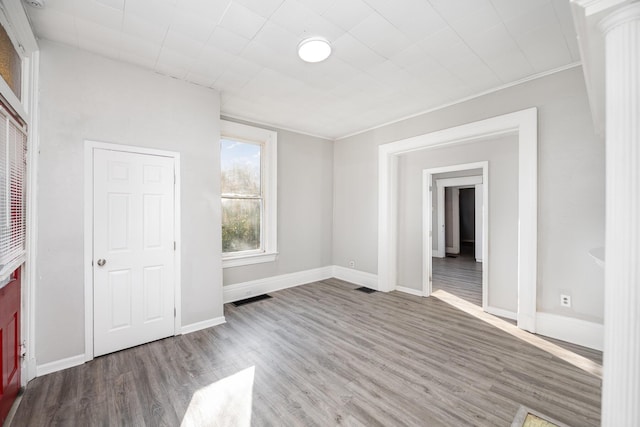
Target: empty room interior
(320,212)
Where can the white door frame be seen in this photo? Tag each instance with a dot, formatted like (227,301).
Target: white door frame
(479,199)
(89,148)
(15,22)
(441,185)
(427,219)
(523,124)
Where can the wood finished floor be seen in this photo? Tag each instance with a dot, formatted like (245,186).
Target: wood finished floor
(460,276)
(321,354)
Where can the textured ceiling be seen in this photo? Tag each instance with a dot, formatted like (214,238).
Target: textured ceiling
(391,59)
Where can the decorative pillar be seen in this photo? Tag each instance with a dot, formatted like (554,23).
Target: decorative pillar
(621,383)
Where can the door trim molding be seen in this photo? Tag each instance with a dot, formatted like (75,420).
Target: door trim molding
(522,123)
(89,147)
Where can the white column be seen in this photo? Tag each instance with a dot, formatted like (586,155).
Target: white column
(621,384)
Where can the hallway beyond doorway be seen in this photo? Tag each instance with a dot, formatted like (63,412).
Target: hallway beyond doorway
(460,275)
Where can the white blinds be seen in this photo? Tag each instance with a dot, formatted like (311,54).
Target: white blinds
(13,159)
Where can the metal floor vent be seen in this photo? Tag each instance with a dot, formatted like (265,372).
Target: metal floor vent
(250,300)
(365,290)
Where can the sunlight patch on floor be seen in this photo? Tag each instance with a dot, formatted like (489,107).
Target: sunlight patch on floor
(535,340)
(226,402)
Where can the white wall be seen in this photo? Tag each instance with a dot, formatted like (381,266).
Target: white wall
(305,208)
(570,185)
(84,96)
(502,155)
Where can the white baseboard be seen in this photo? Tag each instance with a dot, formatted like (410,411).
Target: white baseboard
(409,291)
(243,290)
(527,322)
(500,312)
(59,365)
(357,277)
(70,362)
(576,331)
(202,325)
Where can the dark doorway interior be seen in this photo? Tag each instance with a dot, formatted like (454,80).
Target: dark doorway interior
(467,215)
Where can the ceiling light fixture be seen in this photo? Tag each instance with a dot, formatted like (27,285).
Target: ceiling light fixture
(314,49)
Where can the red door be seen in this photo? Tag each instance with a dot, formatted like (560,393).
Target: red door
(9,344)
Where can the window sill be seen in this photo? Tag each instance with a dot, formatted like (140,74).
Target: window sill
(239,261)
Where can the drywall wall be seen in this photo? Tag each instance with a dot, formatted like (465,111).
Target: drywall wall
(87,97)
(570,186)
(502,155)
(305,208)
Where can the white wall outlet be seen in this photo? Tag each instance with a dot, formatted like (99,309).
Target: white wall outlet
(565,300)
(352,264)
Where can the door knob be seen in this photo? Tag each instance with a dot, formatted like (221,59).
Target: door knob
(101,262)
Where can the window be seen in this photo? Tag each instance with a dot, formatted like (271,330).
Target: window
(10,63)
(248,194)
(13,160)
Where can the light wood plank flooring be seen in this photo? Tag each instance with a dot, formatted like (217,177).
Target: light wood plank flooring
(460,276)
(321,354)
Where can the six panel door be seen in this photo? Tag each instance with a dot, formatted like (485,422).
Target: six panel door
(133,249)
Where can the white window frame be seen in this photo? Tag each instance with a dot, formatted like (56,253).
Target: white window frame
(269,173)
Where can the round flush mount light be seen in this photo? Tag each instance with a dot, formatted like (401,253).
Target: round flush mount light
(314,49)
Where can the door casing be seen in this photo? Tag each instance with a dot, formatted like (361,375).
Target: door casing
(523,124)
(427,220)
(89,148)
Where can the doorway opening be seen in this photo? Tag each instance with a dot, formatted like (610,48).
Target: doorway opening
(524,126)
(456,216)
(459,270)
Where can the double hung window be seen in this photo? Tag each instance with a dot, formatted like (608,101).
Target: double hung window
(248,194)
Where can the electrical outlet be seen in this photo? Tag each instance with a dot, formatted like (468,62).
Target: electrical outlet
(352,264)
(565,300)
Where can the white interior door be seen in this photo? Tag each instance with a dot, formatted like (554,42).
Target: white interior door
(133,249)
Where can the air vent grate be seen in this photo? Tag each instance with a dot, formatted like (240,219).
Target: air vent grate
(250,300)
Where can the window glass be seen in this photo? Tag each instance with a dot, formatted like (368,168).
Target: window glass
(240,224)
(240,168)
(10,64)
(242,198)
